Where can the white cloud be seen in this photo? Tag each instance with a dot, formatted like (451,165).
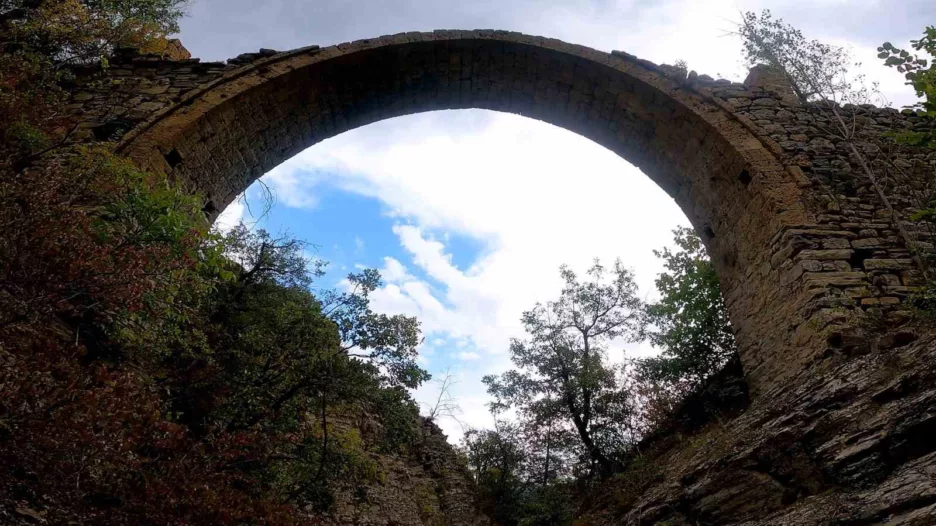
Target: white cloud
(394,272)
(468,355)
(291,189)
(231,216)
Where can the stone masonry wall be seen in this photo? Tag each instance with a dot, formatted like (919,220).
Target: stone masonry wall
(853,261)
(135,87)
(849,440)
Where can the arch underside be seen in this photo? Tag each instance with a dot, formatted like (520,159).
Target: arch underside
(658,126)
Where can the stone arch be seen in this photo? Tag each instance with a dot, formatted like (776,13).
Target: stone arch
(726,178)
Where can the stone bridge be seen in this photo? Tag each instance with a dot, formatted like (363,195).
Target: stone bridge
(815,267)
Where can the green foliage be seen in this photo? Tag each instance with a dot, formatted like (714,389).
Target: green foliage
(496,459)
(515,485)
(576,415)
(23,136)
(226,328)
(397,412)
(300,476)
(924,299)
(277,363)
(549,505)
(252,370)
(92,236)
(689,322)
(142,209)
(562,377)
(920,73)
(389,342)
(85,31)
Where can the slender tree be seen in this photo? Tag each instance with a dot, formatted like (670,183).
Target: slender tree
(562,371)
(445,405)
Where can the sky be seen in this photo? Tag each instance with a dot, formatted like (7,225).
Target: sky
(469,214)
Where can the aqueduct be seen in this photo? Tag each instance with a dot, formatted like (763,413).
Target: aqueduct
(802,261)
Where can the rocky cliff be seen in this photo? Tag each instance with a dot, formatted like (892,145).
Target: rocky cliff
(428,485)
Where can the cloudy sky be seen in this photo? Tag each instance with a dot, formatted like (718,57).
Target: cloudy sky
(470,213)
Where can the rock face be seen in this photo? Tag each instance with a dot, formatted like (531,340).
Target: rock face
(427,486)
(807,221)
(850,444)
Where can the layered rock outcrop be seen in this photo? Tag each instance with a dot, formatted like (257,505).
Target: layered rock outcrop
(427,485)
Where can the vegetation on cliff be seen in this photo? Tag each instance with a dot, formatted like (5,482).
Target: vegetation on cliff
(579,418)
(155,371)
(153,368)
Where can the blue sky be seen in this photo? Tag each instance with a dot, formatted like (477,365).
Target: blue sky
(348,230)
(351,231)
(469,213)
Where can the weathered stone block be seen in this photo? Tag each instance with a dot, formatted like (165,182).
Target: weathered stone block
(823,255)
(836,243)
(887,264)
(868,243)
(836,279)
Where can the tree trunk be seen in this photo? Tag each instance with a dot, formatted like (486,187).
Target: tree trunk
(604,463)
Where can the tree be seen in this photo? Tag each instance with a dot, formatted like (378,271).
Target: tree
(279,362)
(516,484)
(689,322)
(816,72)
(562,372)
(389,342)
(445,405)
(279,264)
(68,32)
(495,459)
(921,75)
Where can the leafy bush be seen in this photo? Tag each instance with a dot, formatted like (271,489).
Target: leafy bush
(196,357)
(90,236)
(689,322)
(920,73)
